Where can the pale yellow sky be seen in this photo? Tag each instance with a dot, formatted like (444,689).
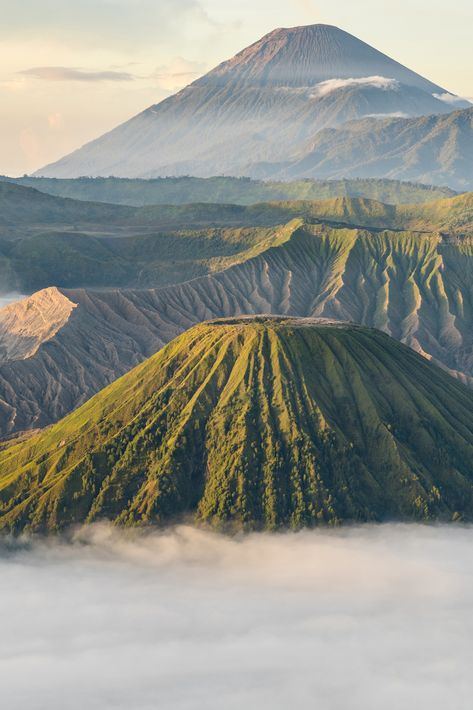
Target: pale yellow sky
(73,70)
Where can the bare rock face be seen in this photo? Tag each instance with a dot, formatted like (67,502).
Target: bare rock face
(27,324)
(410,286)
(260,107)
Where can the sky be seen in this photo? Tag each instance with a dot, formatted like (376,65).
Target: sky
(71,71)
(191,620)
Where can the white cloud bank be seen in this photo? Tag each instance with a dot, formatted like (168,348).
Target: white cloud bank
(187,620)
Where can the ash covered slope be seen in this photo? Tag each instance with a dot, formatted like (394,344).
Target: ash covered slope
(258,423)
(414,287)
(261,106)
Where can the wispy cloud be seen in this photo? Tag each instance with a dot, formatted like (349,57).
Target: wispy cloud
(10,297)
(74,74)
(117,23)
(331,85)
(178,73)
(451,98)
(392,114)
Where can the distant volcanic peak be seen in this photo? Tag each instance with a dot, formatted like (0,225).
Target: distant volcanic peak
(308,55)
(241,119)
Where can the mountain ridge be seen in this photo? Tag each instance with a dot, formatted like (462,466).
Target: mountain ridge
(435,149)
(415,287)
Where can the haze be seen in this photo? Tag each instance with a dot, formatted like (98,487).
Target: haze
(187,619)
(73,71)
(12,297)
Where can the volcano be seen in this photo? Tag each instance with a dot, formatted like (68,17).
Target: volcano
(256,423)
(260,107)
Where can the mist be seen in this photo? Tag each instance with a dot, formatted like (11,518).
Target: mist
(361,618)
(11,297)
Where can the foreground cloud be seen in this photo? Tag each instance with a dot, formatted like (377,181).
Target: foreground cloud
(72,74)
(186,619)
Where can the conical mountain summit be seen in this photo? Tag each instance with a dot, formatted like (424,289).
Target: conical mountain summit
(307,55)
(261,107)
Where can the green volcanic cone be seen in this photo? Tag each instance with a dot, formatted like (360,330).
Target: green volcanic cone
(255,422)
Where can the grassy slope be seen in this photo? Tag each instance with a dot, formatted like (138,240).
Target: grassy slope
(79,260)
(23,205)
(451,214)
(181,241)
(173,254)
(229,190)
(255,423)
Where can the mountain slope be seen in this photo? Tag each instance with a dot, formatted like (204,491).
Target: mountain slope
(228,190)
(433,149)
(414,287)
(161,251)
(21,205)
(261,106)
(258,423)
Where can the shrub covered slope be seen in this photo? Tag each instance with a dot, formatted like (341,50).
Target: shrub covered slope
(258,422)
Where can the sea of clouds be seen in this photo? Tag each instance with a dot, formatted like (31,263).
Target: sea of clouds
(356,619)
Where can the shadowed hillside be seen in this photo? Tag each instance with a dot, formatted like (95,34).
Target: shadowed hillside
(435,149)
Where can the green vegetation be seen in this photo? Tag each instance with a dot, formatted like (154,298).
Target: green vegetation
(70,259)
(228,190)
(21,206)
(413,286)
(263,422)
(71,244)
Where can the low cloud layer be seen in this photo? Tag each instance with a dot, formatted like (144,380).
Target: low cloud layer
(190,620)
(72,74)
